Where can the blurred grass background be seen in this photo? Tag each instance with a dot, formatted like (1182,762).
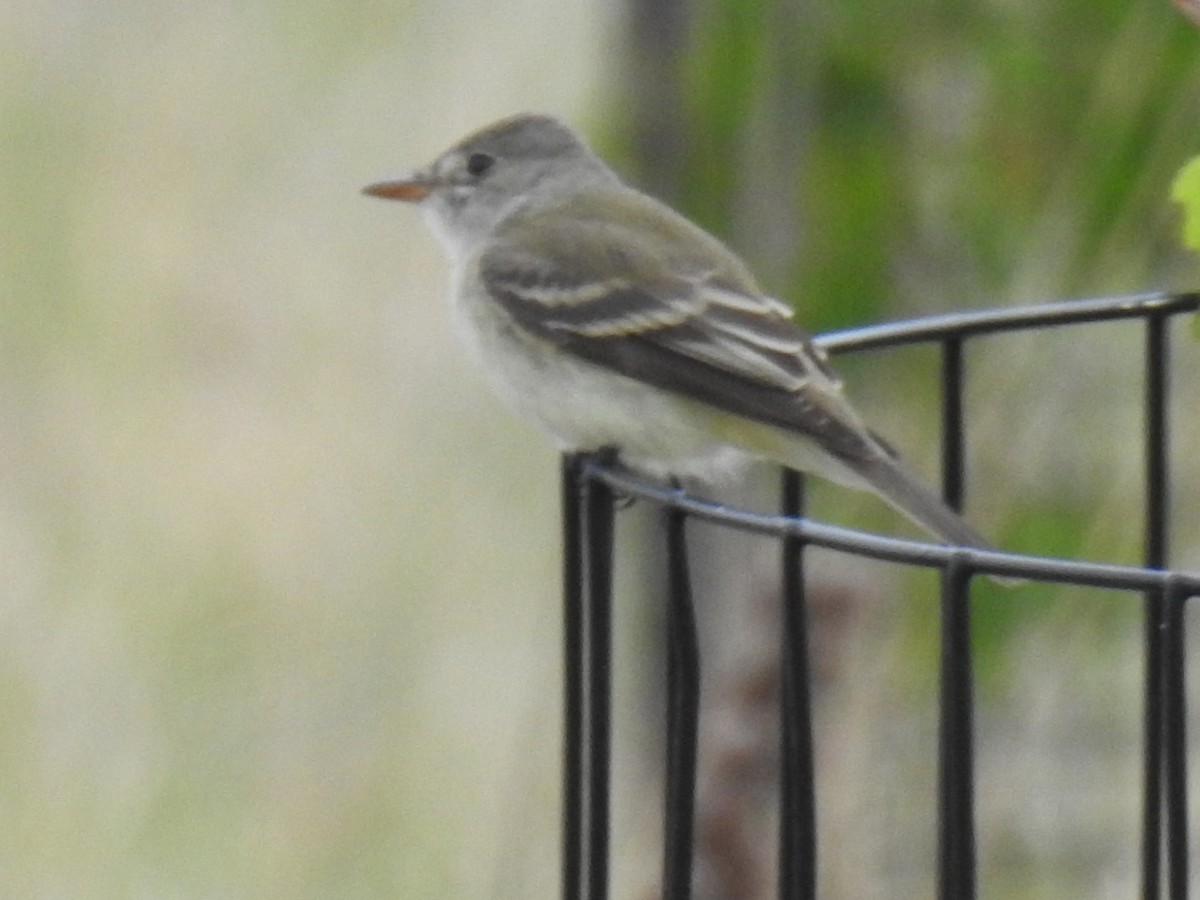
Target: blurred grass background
(279,614)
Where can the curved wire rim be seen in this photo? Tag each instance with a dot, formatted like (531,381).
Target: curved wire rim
(1017,318)
(878,546)
(975,562)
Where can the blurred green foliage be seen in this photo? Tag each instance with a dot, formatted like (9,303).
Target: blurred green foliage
(1185,191)
(939,139)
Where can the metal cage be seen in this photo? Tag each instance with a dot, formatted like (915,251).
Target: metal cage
(590,484)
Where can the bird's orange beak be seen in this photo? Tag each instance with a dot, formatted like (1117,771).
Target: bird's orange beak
(409,188)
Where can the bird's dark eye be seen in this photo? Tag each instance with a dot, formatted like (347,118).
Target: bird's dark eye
(479,163)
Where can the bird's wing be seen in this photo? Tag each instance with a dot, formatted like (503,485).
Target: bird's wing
(661,311)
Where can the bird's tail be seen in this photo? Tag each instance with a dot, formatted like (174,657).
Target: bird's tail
(869,465)
(905,492)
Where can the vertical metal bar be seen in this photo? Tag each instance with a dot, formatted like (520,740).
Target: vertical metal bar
(953,443)
(1175,744)
(797,795)
(1152,747)
(573,643)
(683,713)
(598,662)
(1155,556)
(1157,437)
(956,777)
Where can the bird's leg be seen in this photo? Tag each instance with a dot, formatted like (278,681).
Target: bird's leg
(609,457)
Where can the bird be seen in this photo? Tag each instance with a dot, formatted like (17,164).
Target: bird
(613,322)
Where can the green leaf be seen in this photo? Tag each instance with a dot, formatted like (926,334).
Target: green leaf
(1185,190)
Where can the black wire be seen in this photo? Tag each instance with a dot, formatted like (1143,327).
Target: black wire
(797,794)
(956,777)
(587,576)
(598,657)
(574,736)
(683,714)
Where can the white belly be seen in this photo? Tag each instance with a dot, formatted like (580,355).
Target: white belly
(582,406)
